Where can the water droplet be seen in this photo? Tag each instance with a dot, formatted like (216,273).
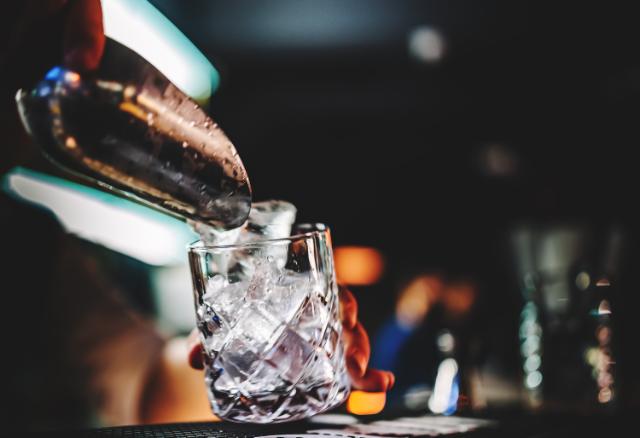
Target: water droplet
(150,119)
(270,259)
(71,143)
(192,123)
(207,124)
(195,155)
(185,144)
(195,106)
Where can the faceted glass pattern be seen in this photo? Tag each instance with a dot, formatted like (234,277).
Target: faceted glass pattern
(267,313)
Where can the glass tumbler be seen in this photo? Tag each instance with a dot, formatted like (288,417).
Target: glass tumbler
(267,312)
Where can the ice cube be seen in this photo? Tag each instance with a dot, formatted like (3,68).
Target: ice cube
(270,220)
(267,220)
(214,236)
(225,298)
(258,328)
(263,277)
(314,318)
(220,261)
(214,287)
(287,295)
(239,358)
(290,355)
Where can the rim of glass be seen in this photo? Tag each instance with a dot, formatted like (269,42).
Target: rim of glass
(199,246)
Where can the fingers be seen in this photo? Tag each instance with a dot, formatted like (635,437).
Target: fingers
(374,381)
(84,35)
(195,350)
(357,350)
(348,308)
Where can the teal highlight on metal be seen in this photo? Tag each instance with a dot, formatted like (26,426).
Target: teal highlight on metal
(140,26)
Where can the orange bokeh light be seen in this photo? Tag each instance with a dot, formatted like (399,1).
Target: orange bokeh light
(358,265)
(366,403)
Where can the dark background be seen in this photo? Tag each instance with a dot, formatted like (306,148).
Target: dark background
(527,119)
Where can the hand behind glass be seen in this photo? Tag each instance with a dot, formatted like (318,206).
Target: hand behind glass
(356,344)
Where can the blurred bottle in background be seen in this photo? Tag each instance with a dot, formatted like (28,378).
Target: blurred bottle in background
(569,322)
